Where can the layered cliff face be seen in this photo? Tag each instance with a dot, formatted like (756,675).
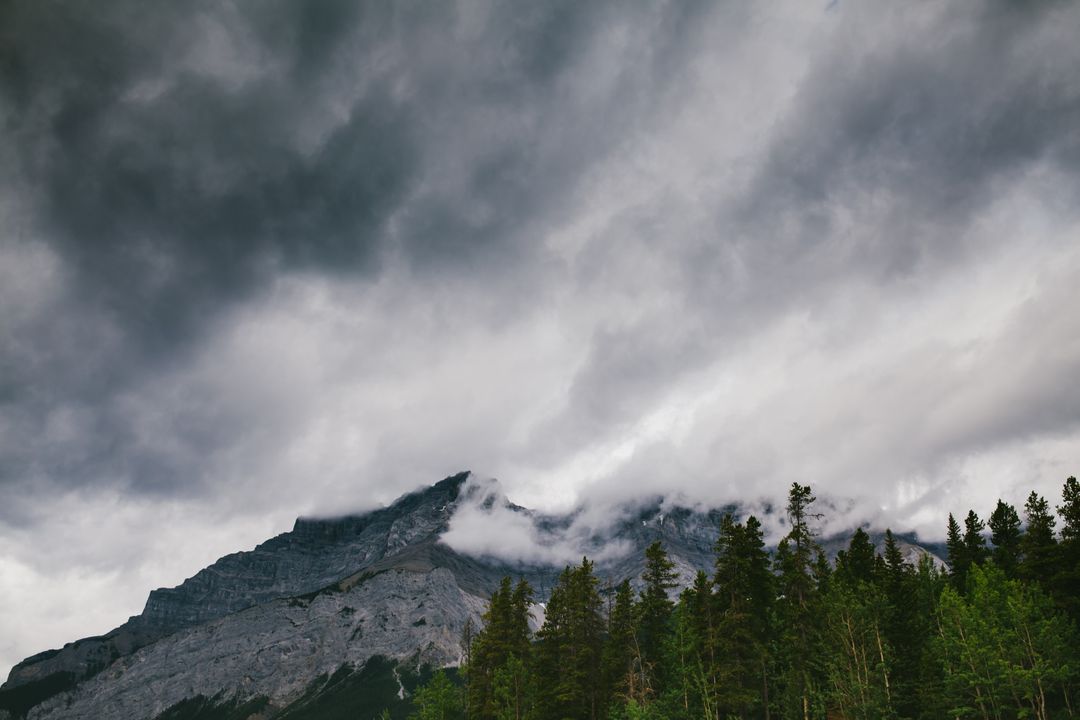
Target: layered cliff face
(318,602)
(275,650)
(313,555)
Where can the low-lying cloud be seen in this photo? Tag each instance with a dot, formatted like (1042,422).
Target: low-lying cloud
(486,524)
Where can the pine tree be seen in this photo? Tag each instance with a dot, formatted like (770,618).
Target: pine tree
(654,610)
(957,555)
(569,649)
(974,542)
(903,627)
(1069,510)
(857,564)
(798,610)
(1005,535)
(929,584)
(503,641)
(744,596)
(1038,547)
(621,660)
(1067,578)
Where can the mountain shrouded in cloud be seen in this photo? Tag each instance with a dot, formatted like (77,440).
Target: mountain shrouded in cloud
(261,260)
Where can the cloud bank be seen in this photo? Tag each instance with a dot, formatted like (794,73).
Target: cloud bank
(261,260)
(486,524)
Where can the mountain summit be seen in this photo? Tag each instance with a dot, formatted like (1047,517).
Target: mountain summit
(333,598)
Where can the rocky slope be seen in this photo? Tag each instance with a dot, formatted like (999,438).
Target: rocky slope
(313,555)
(269,625)
(275,650)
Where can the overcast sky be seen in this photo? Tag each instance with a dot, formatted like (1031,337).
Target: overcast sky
(267,259)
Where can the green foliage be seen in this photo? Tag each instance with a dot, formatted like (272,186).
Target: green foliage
(1069,510)
(654,609)
(957,554)
(439,699)
(504,642)
(786,636)
(569,649)
(1066,583)
(1005,535)
(857,563)
(974,542)
(860,662)
(621,656)
(1038,547)
(744,600)
(1005,651)
(797,645)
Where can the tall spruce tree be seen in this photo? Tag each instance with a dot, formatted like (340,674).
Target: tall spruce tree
(1038,546)
(857,563)
(903,627)
(974,542)
(1005,535)
(1069,510)
(621,660)
(958,560)
(568,668)
(502,643)
(799,611)
(1067,577)
(743,600)
(654,611)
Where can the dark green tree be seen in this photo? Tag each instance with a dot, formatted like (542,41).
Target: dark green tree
(504,641)
(621,660)
(568,667)
(654,611)
(1005,535)
(1069,510)
(1038,546)
(903,627)
(743,601)
(857,564)
(1005,650)
(438,699)
(958,559)
(1066,583)
(974,542)
(858,657)
(799,612)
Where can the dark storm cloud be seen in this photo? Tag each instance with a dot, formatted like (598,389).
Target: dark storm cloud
(262,259)
(176,160)
(927,124)
(896,142)
(169,189)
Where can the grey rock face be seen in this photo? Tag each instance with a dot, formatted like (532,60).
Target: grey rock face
(276,649)
(313,555)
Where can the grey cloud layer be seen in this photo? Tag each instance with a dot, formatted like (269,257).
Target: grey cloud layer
(266,259)
(176,162)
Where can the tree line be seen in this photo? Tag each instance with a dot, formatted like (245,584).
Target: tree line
(787,634)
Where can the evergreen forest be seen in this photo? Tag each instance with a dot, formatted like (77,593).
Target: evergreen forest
(787,634)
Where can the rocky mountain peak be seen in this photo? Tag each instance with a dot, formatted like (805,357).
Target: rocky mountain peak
(335,592)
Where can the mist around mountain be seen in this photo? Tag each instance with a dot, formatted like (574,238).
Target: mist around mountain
(653,610)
